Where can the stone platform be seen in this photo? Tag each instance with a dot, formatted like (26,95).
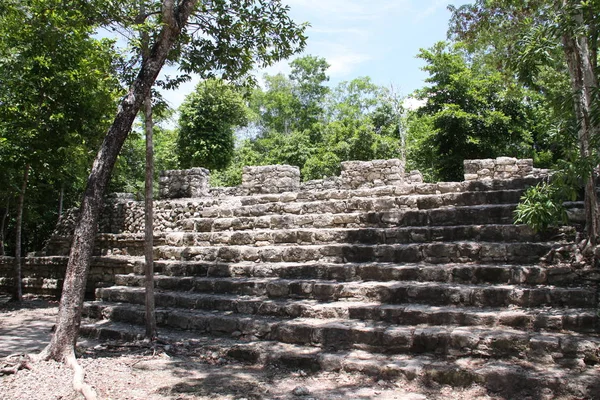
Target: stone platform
(377,273)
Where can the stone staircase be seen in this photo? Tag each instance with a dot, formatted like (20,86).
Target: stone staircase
(428,281)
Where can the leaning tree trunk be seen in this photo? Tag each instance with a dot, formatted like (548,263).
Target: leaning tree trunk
(19,229)
(61,347)
(583,84)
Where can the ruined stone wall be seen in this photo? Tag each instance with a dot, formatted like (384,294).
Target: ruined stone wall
(45,275)
(176,184)
(124,215)
(502,168)
(360,174)
(271,179)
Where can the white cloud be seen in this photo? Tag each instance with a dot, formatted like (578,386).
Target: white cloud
(432,9)
(343,64)
(411,103)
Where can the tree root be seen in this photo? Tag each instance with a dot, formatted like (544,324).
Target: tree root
(14,363)
(70,361)
(78,379)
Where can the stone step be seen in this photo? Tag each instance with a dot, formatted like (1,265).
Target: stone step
(304,236)
(449,273)
(379,337)
(290,204)
(133,244)
(431,293)
(436,252)
(471,215)
(509,379)
(549,319)
(441,188)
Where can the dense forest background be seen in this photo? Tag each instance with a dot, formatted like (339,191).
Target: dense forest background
(499,86)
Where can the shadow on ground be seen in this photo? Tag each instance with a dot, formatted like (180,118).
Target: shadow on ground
(25,327)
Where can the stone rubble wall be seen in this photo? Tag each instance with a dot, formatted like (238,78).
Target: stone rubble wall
(175,184)
(502,168)
(122,214)
(271,179)
(45,275)
(360,174)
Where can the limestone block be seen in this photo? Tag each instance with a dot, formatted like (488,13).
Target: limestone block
(487,163)
(271,179)
(450,187)
(184,183)
(506,161)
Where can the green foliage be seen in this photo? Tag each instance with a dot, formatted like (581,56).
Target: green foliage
(473,110)
(541,207)
(295,102)
(303,123)
(57,95)
(321,165)
(207,121)
(244,155)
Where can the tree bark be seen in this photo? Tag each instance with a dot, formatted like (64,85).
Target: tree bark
(583,85)
(149,223)
(151,333)
(19,229)
(3,227)
(61,347)
(61,199)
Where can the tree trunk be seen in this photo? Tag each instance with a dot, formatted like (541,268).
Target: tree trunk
(61,347)
(61,199)
(18,261)
(151,333)
(3,227)
(583,85)
(149,225)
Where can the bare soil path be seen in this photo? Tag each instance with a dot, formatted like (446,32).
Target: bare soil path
(182,367)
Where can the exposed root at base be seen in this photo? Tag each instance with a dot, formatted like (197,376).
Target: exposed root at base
(14,363)
(78,379)
(70,361)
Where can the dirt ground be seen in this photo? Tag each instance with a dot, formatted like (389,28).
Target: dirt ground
(182,366)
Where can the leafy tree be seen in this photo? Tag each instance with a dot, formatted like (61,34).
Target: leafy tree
(294,102)
(308,76)
(275,107)
(51,102)
(245,154)
(314,128)
(548,28)
(207,122)
(475,111)
(226,36)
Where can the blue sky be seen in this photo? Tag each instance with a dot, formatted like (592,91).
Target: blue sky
(376,38)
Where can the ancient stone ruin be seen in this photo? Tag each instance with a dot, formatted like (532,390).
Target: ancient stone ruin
(372,271)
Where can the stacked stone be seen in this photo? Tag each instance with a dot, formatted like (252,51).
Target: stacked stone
(66,222)
(332,182)
(187,183)
(360,174)
(271,179)
(166,215)
(502,168)
(234,191)
(413,176)
(45,275)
